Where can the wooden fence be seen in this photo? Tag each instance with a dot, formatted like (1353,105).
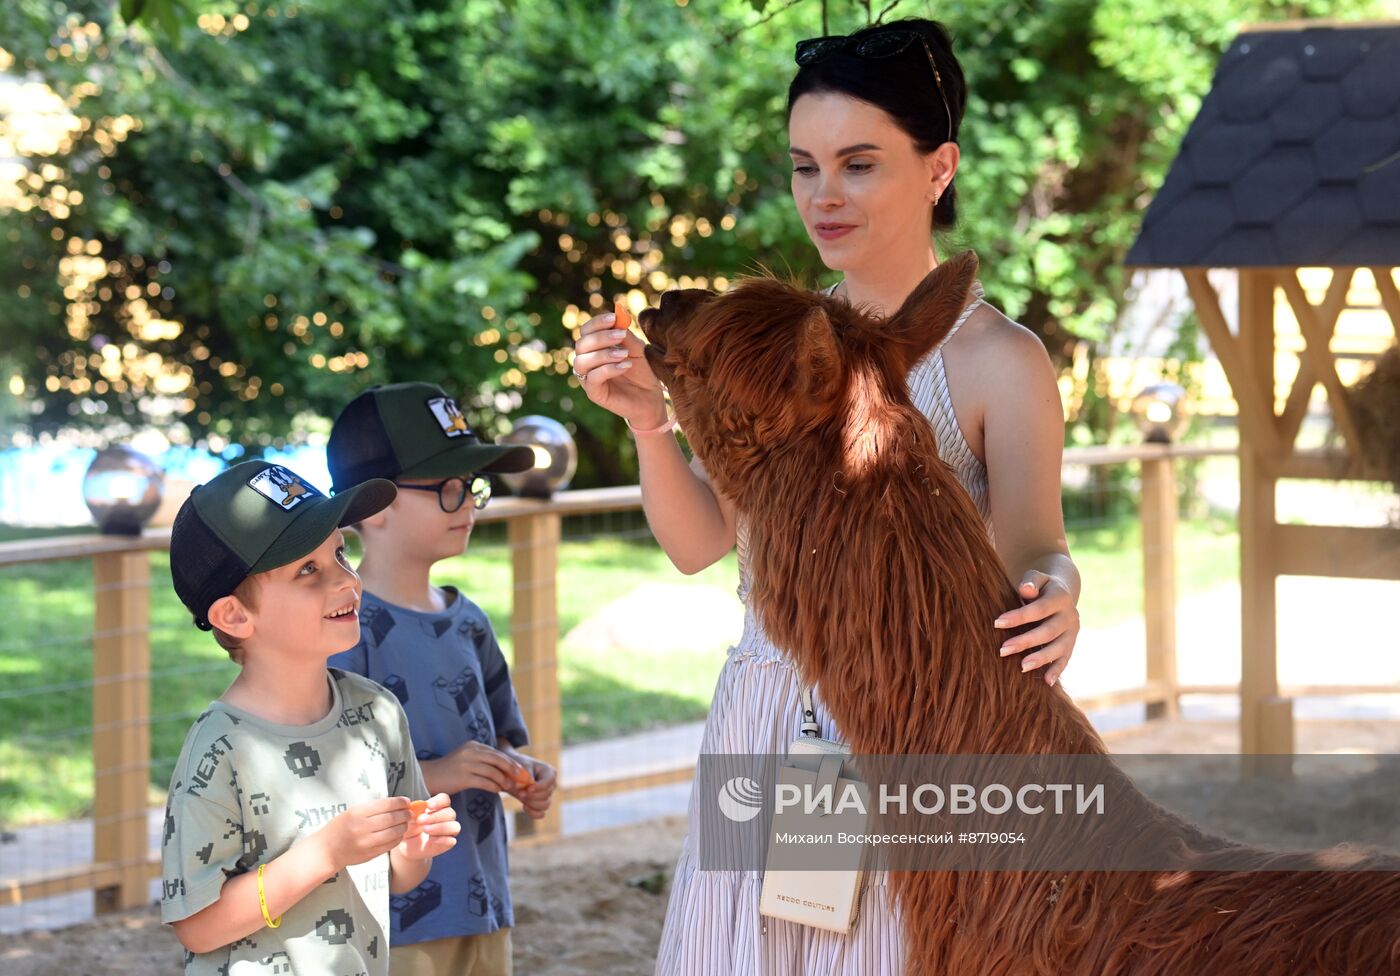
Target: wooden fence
(123,866)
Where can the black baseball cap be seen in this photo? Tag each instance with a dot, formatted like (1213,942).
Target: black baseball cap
(412,430)
(251,518)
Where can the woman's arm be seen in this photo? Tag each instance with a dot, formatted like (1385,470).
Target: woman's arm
(691,521)
(1023,441)
(692,524)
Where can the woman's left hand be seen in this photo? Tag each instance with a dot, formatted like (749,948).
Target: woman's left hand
(1050,604)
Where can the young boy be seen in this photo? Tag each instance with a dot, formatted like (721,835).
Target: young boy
(434,649)
(289,820)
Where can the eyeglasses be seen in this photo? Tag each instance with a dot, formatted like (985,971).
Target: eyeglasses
(875,46)
(452,493)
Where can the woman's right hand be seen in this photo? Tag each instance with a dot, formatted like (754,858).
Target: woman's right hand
(615,374)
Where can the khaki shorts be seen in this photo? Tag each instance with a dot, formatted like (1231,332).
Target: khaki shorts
(465,955)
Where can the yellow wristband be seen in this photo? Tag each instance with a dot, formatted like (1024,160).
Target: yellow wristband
(272,923)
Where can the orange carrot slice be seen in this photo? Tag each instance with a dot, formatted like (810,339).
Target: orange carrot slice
(416,808)
(622,317)
(523,777)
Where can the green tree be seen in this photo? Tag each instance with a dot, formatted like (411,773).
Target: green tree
(262,207)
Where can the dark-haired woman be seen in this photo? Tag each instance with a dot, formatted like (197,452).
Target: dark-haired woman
(873,124)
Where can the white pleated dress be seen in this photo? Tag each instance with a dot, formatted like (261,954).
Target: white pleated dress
(713,927)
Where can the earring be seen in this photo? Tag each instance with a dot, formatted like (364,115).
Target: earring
(936,198)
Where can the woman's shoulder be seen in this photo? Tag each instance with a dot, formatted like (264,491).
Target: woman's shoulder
(998,368)
(992,341)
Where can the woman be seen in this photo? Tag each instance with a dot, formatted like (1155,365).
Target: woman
(873,121)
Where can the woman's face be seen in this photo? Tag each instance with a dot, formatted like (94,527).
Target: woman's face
(864,191)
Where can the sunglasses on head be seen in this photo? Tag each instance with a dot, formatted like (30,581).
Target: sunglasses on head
(873,47)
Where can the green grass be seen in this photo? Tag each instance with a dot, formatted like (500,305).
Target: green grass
(46,667)
(1110,565)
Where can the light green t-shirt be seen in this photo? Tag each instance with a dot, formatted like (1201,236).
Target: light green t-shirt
(245,790)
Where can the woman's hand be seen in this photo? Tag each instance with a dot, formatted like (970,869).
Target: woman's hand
(1052,605)
(615,375)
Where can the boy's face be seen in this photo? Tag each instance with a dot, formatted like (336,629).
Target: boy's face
(310,606)
(416,523)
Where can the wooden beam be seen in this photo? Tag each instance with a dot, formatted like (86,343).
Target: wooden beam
(1317,351)
(1257,520)
(80,877)
(586,501)
(1338,551)
(571,791)
(1152,692)
(1296,409)
(121,721)
(85,546)
(1390,297)
(1158,514)
(1256,413)
(1296,691)
(534,629)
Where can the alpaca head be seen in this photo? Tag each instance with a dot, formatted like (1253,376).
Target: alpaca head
(755,369)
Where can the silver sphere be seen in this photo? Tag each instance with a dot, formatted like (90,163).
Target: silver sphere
(123,489)
(1160,412)
(556,457)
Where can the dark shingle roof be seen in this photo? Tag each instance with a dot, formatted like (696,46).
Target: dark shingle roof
(1293,160)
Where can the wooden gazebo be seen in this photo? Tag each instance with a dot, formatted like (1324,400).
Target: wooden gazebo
(1292,163)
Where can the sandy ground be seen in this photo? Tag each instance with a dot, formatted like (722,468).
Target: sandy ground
(590,904)
(594,903)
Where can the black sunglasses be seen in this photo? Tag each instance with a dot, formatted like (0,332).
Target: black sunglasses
(874,47)
(452,492)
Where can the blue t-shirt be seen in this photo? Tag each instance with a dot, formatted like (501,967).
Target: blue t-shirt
(447,671)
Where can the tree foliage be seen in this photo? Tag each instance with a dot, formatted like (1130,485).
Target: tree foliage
(253,210)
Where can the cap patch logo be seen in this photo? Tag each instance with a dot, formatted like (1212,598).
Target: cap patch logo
(282,487)
(449,417)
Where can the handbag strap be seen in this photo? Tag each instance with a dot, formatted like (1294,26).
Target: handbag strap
(809,714)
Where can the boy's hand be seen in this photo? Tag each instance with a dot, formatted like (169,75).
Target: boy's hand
(471,766)
(536,796)
(432,832)
(364,831)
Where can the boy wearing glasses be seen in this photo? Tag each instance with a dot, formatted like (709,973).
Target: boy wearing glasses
(435,651)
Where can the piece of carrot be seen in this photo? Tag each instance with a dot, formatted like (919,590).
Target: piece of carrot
(416,808)
(523,777)
(622,315)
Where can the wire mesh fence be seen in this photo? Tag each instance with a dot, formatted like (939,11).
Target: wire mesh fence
(623,652)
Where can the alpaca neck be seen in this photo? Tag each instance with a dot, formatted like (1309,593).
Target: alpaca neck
(872,567)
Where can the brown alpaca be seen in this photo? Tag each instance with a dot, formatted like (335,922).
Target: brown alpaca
(870,563)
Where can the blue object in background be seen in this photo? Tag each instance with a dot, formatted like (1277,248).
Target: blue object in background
(42,485)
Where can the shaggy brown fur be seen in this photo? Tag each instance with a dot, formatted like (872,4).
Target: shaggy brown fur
(870,563)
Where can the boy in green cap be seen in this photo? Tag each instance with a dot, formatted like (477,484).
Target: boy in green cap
(435,650)
(296,806)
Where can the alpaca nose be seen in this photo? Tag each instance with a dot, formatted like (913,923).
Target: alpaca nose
(650,322)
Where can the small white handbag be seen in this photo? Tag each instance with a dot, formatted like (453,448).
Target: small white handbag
(824,899)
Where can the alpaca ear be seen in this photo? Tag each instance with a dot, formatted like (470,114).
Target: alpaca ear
(928,314)
(818,357)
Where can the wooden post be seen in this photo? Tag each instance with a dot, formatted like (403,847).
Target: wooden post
(534,627)
(1258,479)
(1159,580)
(121,738)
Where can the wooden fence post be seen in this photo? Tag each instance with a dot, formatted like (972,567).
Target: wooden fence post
(1159,580)
(121,736)
(534,627)
(1260,733)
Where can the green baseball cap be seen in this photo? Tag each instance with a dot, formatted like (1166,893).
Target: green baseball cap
(254,517)
(412,430)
